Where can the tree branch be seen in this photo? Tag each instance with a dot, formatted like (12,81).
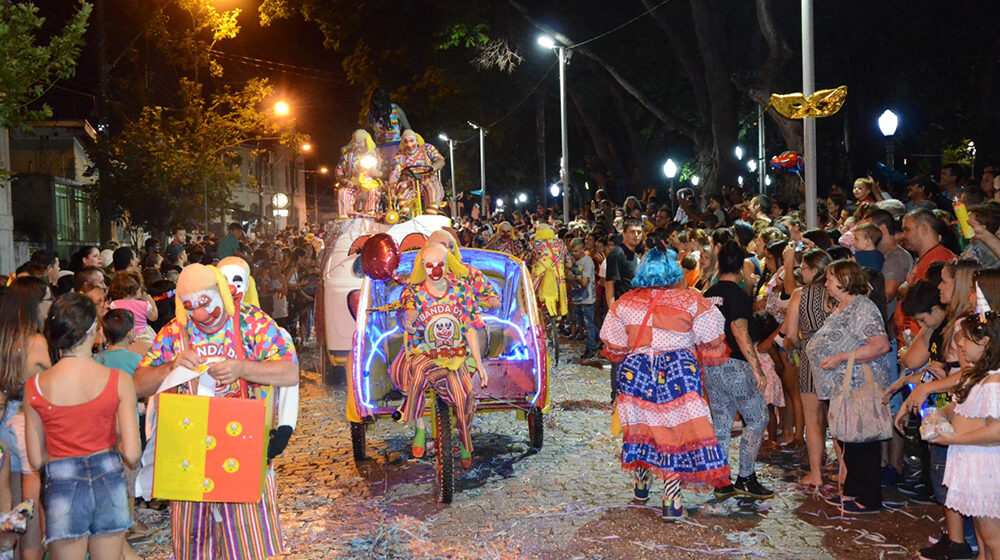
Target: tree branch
(674,123)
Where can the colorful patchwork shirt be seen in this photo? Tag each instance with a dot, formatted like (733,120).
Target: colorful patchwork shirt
(441,323)
(425,154)
(262,341)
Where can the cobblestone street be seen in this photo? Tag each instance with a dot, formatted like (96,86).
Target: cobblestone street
(568,500)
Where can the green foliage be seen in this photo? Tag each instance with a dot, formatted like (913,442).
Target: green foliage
(191,45)
(464,36)
(165,162)
(29,69)
(961,153)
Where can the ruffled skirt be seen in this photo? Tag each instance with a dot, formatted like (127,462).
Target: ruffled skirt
(666,423)
(972,475)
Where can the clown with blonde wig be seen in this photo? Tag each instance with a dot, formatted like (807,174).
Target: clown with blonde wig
(357,173)
(415,152)
(442,351)
(245,356)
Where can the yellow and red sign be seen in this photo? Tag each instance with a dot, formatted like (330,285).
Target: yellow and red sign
(210,449)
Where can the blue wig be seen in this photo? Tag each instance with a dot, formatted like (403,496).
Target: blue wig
(658,269)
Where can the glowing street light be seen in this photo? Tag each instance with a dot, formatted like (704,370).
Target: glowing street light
(499,203)
(887,123)
(752,165)
(306,147)
(740,179)
(767,180)
(522,197)
(281,109)
(695,180)
(547,42)
(554,190)
(324,170)
(670,169)
(739,153)
(451,161)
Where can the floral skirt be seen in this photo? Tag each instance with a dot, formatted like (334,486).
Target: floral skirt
(666,423)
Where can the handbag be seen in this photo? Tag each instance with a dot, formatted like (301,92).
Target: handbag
(858,415)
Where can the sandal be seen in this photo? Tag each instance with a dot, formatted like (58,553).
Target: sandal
(419,443)
(465,456)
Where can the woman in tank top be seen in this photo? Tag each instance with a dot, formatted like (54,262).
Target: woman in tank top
(807,309)
(84,494)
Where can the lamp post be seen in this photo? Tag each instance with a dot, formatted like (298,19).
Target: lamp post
(549,43)
(887,123)
(808,123)
(482,165)
(670,170)
(451,160)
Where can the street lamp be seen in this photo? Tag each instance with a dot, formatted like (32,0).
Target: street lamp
(548,43)
(752,165)
(306,147)
(670,170)
(451,159)
(739,153)
(887,123)
(554,190)
(695,180)
(324,170)
(281,108)
(500,203)
(482,165)
(522,198)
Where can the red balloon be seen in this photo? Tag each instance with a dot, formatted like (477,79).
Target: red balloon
(380,256)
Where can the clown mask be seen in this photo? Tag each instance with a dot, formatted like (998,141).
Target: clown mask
(206,309)
(237,278)
(409,143)
(435,260)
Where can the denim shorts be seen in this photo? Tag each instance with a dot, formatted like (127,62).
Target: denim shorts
(85,496)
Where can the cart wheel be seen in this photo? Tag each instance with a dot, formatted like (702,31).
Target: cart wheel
(536,430)
(443,452)
(358,441)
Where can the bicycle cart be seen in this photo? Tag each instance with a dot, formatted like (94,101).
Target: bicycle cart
(512,343)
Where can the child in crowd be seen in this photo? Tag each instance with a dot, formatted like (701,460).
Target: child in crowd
(866,239)
(126,293)
(118,326)
(973,453)
(691,271)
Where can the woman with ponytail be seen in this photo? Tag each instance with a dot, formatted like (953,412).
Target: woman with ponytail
(661,335)
(84,496)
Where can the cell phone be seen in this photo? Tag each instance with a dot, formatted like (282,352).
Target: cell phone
(799,246)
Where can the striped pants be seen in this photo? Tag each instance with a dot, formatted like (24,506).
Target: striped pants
(228,531)
(455,387)
(347,198)
(433,194)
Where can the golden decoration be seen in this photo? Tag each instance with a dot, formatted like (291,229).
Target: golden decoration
(823,103)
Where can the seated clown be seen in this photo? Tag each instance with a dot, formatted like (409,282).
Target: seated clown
(357,174)
(442,351)
(417,156)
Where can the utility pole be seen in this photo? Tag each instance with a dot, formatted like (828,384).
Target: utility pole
(809,124)
(482,166)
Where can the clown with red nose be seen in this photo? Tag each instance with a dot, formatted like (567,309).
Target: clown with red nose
(442,350)
(245,356)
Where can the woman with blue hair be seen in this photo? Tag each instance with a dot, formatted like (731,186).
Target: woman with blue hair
(660,334)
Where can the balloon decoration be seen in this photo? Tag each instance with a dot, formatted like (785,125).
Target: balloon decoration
(789,161)
(823,103)
(890,175)
(380,257)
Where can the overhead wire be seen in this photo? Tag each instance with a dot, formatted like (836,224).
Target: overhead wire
(618,28)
